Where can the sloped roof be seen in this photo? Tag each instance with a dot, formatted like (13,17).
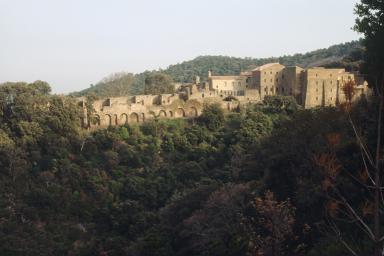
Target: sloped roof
(266,66)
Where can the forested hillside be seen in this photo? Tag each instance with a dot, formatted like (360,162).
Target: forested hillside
(347,55)
(249,182)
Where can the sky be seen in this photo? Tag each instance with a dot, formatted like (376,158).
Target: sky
(74,43)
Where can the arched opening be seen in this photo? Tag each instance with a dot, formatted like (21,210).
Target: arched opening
(162,114)
(133,118)
(142,117)
(95,120)
(170,114)
(123,119)
(152,114)
(107,120)
(180,112)
(192,112)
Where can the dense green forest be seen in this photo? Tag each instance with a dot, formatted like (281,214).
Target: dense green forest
(239,183)
(348,55)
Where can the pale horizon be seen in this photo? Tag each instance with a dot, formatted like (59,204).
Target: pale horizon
(72,44)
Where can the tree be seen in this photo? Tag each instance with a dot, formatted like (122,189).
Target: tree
(158,83)
(271,226)
(370,22)
(212,116)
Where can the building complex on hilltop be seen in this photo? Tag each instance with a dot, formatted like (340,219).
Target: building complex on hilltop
(312,87)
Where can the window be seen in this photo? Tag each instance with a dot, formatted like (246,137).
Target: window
(271,80)
(271,72)
(283,89)
(277,79)
(265,80)
(317,90)
(330,82)
(266,89)
(317,98)
(283,76)
(316,75)
(265,73)
(277,89)
(271,89)
(317,82)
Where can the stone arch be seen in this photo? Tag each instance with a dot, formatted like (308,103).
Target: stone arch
(107,120)
(170,113)
(180,112)
(152,114)
(193,112)
(95,120)
(162,114)
(123,119)
(133,118)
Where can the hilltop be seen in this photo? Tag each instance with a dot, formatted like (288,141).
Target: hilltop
(347,55)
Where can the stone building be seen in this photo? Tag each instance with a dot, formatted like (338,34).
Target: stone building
(312,87)
(228,85)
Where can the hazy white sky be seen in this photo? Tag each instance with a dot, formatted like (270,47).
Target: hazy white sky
(73,43)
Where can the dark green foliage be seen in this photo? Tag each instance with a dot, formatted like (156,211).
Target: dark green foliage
(212,117)
(158,83)
(370,23)
(168,187)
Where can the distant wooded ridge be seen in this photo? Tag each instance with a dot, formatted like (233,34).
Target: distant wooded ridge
(346,55)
